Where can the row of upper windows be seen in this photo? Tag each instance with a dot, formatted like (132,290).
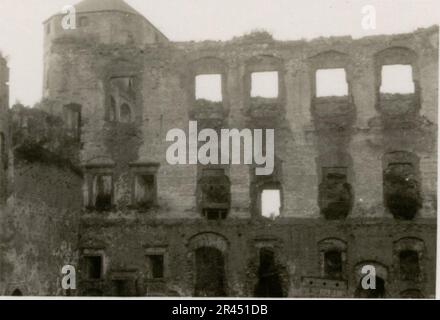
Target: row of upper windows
(329,82)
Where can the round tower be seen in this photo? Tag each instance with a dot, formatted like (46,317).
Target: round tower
(94,22)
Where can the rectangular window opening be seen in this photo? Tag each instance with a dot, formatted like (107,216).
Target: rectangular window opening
(331,83)
(93,267)
(397,79)
(209,87)
(265,85)
(145,193)
(270,203)
(72,118)
(156,266)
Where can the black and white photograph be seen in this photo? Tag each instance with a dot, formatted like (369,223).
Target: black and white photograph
(188,149)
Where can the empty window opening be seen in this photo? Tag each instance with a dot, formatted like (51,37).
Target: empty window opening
(112,109)
(331,83)
(402,190)
(409,265)
(72,118)
(210,273)
(335,193)
(411,294)
(209,87)
(377,293)
(125,113)
(2,147)
(264,84)
(214,194)
(103,192)
(397,79)
(270,203)
(269,281)
(333,264)
(93,266)
(156,266)
(145,191)
(122,99)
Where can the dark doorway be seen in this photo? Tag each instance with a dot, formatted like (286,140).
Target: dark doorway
(269,282)
(210,273)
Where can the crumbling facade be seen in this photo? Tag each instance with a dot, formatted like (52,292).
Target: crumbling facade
(92,188)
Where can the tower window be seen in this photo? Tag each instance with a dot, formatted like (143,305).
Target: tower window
(264,84)
(331,82)
(397,79)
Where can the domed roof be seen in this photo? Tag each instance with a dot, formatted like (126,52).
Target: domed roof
(105,5)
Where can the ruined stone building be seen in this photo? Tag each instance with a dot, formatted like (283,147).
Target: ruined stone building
(85,181)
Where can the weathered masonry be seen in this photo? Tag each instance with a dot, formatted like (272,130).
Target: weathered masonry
(355,170)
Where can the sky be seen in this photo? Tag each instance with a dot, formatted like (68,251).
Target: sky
(21,30)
